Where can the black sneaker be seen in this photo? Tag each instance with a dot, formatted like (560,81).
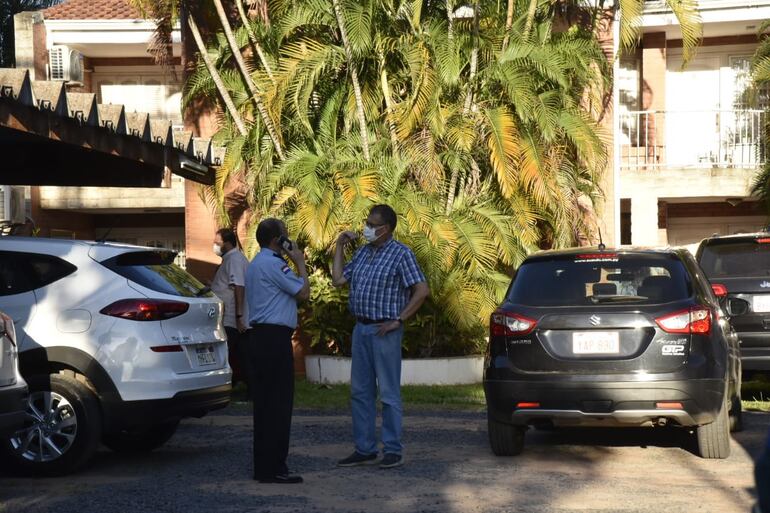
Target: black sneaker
(392,460)
(357,459)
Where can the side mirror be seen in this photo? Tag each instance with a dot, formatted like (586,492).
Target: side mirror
(737,307)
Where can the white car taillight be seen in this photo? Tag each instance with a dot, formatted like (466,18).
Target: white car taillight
(145,309)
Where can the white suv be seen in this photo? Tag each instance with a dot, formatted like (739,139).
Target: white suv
(13,389)
(116,343)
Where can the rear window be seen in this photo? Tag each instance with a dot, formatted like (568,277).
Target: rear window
(156,271)
(736,259)
(600,278)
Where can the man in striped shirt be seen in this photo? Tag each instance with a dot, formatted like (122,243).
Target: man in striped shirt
(386,288)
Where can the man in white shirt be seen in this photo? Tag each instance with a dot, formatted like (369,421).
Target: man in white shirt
(229,285)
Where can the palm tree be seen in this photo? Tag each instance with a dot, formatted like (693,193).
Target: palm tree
(760,72)
(481,131)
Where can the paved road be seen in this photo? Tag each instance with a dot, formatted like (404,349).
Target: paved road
(206,468)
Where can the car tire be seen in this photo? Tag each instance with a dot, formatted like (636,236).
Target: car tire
(505,439)
(72,426)
(143,439)
(713,440)
(736,414)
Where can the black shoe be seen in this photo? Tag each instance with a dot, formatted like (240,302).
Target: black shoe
(281,479)
(357,459)
(391,460)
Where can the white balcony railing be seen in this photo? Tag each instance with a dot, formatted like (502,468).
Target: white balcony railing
(692,139)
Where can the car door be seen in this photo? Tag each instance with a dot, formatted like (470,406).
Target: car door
(17,299)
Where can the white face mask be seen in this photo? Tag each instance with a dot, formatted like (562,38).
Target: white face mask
(217,250)
(370,234)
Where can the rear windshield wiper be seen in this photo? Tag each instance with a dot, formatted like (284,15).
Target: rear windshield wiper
(613,299)
(202,292)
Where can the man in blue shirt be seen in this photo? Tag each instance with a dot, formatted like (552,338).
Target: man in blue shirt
(386,288)
(273,290)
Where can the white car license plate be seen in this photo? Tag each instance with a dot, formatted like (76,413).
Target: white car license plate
(206,355)
(761,303)
(595,342)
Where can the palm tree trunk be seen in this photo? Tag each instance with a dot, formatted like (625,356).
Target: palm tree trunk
(531,12)
(254,41)
(450,20)
(474,59)
(215,76)
(508,24)
(388,104)
(236,51)
(354,78)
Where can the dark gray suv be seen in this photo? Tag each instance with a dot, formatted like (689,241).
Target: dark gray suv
(739,268)
(13,389)
(593,337)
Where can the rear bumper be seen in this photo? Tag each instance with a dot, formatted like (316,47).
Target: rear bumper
(192,403)
(613,403)
(13,403)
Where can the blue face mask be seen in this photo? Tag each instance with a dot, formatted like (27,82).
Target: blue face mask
(370,234)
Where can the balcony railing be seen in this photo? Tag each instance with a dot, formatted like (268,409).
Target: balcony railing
(692,139)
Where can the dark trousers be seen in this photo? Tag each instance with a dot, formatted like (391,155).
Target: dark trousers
(235,342)
(270,361)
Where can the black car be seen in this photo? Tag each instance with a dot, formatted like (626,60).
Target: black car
(612,338)
(738,266)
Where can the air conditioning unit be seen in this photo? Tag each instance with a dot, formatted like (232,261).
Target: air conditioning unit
(65,64)
(12,204)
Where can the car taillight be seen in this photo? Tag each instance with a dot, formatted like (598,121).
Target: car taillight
(507,324)
(695,320)
(719,289)
(145,309)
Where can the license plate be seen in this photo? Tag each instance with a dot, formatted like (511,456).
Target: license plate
(596,342)
(206,355)
(761,303)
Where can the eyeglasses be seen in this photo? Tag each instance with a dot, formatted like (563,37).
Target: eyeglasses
(375,226)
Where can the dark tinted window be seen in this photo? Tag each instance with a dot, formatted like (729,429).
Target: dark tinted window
(745,258)
(22,272)
(601,278)
(12,279)
(156,270)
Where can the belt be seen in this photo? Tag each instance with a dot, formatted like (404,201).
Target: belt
(364,320)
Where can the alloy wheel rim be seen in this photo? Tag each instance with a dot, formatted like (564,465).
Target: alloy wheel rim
(49,430)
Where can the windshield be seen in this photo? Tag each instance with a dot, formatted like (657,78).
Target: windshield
(603,278)
(156,271)
(736,259)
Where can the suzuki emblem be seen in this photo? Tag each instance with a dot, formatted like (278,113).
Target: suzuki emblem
(212,312)
(595,320)
(765,284)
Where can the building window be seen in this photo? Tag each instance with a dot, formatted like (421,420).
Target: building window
(625,221)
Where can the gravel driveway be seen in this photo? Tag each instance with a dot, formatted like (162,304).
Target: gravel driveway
(206,468)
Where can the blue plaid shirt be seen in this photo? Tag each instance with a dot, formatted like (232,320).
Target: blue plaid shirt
(380,279)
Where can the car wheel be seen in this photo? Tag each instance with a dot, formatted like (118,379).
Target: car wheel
(143,439)
(714,439)
(736,414)
(62,428)
(505,439)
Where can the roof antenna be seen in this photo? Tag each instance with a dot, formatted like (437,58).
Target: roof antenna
(602,247)
(103,239)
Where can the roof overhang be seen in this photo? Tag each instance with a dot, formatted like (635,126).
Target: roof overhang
(107,38)
(49,136)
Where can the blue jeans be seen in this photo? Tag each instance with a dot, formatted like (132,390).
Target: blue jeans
(762,476)
(376,361)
